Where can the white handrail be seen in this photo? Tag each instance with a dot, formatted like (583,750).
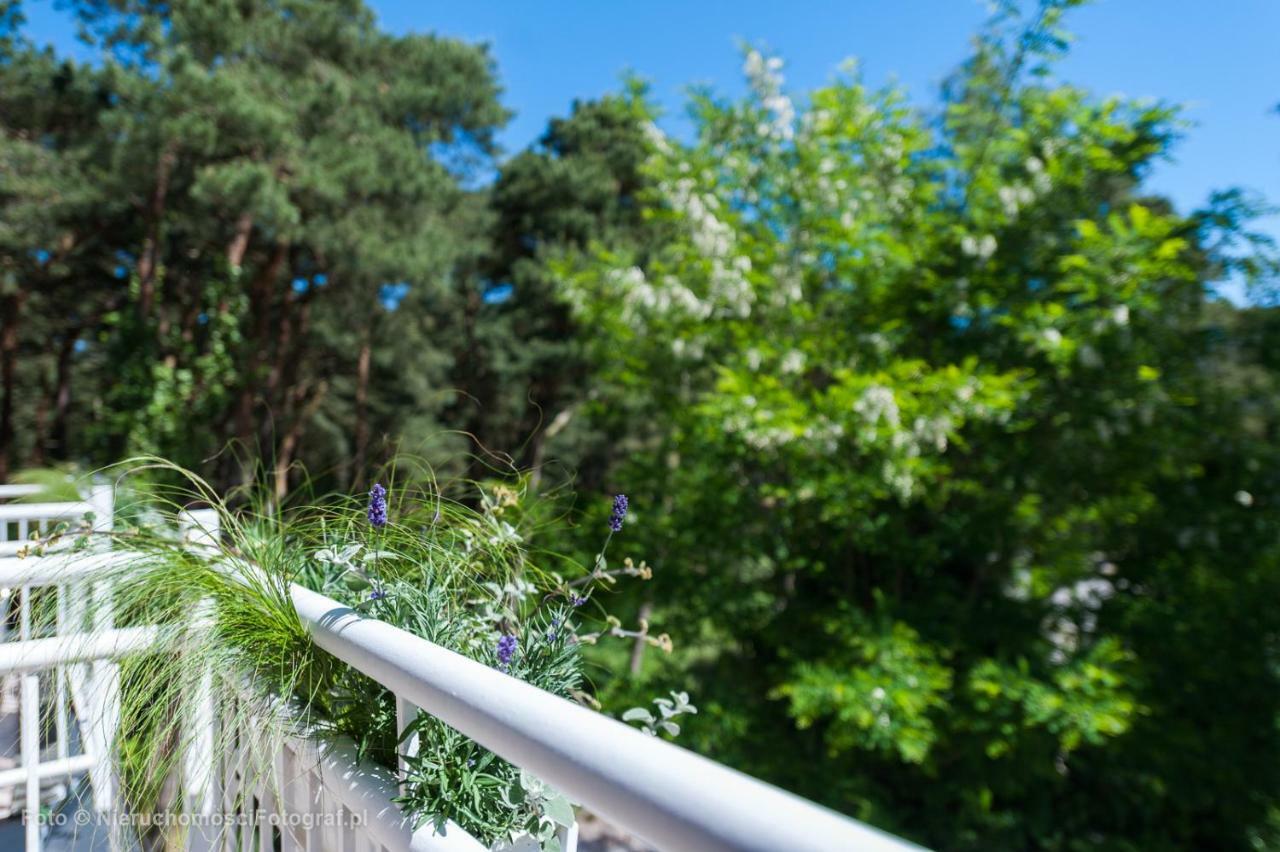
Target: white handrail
(33,655)
(63,767)
(10,490)
(44,511)
(60,567)
(669,796)
(662,793)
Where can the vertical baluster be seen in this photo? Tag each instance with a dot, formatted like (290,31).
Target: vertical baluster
(24,614)
(244,768)
(569,837)
(29,727)
(60,728)
(229,758)
(9,602)
(102,501)
(269,808)
(285,771)
(406,712)
(30,747)
(60,721)
(200,528)
(330,830)
(81,686)
(315,796)
(198,743)
(225,777)
(105,673)
(346,831)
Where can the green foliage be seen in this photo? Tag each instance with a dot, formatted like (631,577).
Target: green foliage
(664,722)
(925,391)
(1086,702)
(462,578)
(55,485)
(954,480)
(199,248)
(879,688)
(524,367)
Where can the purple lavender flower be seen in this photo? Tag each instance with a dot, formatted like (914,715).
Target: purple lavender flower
(506,650)
(619,512)
(378,506)
(577,600)
(377,595)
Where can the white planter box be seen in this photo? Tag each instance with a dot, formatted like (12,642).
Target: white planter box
(321,798)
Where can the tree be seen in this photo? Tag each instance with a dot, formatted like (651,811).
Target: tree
(936,462)
(522,362)
(55,232)
(262,173)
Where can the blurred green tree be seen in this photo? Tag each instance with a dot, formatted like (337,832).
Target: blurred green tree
(56,234)
(523,364)
(277,179)
(958,483)
(927,426)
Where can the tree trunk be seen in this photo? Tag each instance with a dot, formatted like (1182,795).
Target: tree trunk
(284,348)
(240,242)
(149,261)
(257,345)
(40,428)
(292,440)
(362,411)
(10,313)
(291,346)
(60,434)
(540,439)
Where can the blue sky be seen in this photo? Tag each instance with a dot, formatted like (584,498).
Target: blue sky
(1221,60)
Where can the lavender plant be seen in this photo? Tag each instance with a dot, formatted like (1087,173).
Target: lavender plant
(467,579)
(464,580)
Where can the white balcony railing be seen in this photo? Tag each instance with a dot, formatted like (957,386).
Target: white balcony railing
(74,664)
(664,794)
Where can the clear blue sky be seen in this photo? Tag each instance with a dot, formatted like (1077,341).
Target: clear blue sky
(1221,59)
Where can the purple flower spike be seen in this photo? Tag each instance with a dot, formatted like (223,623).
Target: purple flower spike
(506,650)
(619,512)
(378,506)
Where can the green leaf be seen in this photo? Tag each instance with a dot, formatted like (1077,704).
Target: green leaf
(558,810)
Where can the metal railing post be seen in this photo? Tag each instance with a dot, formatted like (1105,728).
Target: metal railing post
(200,528)
(30,746)
(104,675)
